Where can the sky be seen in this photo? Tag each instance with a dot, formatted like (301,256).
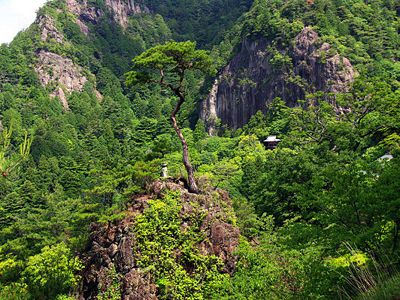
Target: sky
(16,15)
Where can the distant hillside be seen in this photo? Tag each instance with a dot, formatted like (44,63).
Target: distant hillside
(203,21)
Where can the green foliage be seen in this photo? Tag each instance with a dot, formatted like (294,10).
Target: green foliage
(201,21)
(298,206)
(357,29)
(170,254)
(9,160)
(169,62)
(52,272)
(386,290)
(113,292)
(14,292)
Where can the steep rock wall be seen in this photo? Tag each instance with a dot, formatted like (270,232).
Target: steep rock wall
(55,71)
(251,80)
(120,9)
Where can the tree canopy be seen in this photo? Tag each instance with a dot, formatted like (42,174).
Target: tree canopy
(167,64)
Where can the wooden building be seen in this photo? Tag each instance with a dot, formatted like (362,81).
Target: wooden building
(271,142)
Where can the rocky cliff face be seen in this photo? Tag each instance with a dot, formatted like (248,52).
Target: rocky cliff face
(48,30)
(110,250)
(120,11)
(111,247)
(322,69)
(253,78)
(60,73)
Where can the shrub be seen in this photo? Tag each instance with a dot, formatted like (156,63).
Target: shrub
(52,272)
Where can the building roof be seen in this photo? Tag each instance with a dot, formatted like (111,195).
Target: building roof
(386,157)
(271,139)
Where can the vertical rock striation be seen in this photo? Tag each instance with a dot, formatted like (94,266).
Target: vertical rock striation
(251,80)
(324,71)
(122,9)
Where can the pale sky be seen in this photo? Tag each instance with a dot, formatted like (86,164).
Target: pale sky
(16,15)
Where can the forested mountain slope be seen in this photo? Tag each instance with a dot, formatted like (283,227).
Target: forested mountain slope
(289,49)
(203,21)
(83,212)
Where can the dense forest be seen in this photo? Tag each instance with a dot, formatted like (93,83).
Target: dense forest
(85,133)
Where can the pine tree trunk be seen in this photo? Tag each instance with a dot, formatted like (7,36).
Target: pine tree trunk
(189,168)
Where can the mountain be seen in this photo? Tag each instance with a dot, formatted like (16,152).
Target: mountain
(290,49)
(259,73)
(62,84)
(84,212)
(62,62)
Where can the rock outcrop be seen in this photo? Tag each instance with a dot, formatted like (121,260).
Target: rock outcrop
(324,71)
(120,11)
(61,72)
(84,12)
(49,30)
(57,72)
(251,80)
(111,246)
(110,250)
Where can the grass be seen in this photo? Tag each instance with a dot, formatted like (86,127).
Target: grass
(378,279)
(386,290)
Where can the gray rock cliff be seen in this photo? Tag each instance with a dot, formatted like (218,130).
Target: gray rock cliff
(120,9)
(55,70)
(61,73)
(253,78)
